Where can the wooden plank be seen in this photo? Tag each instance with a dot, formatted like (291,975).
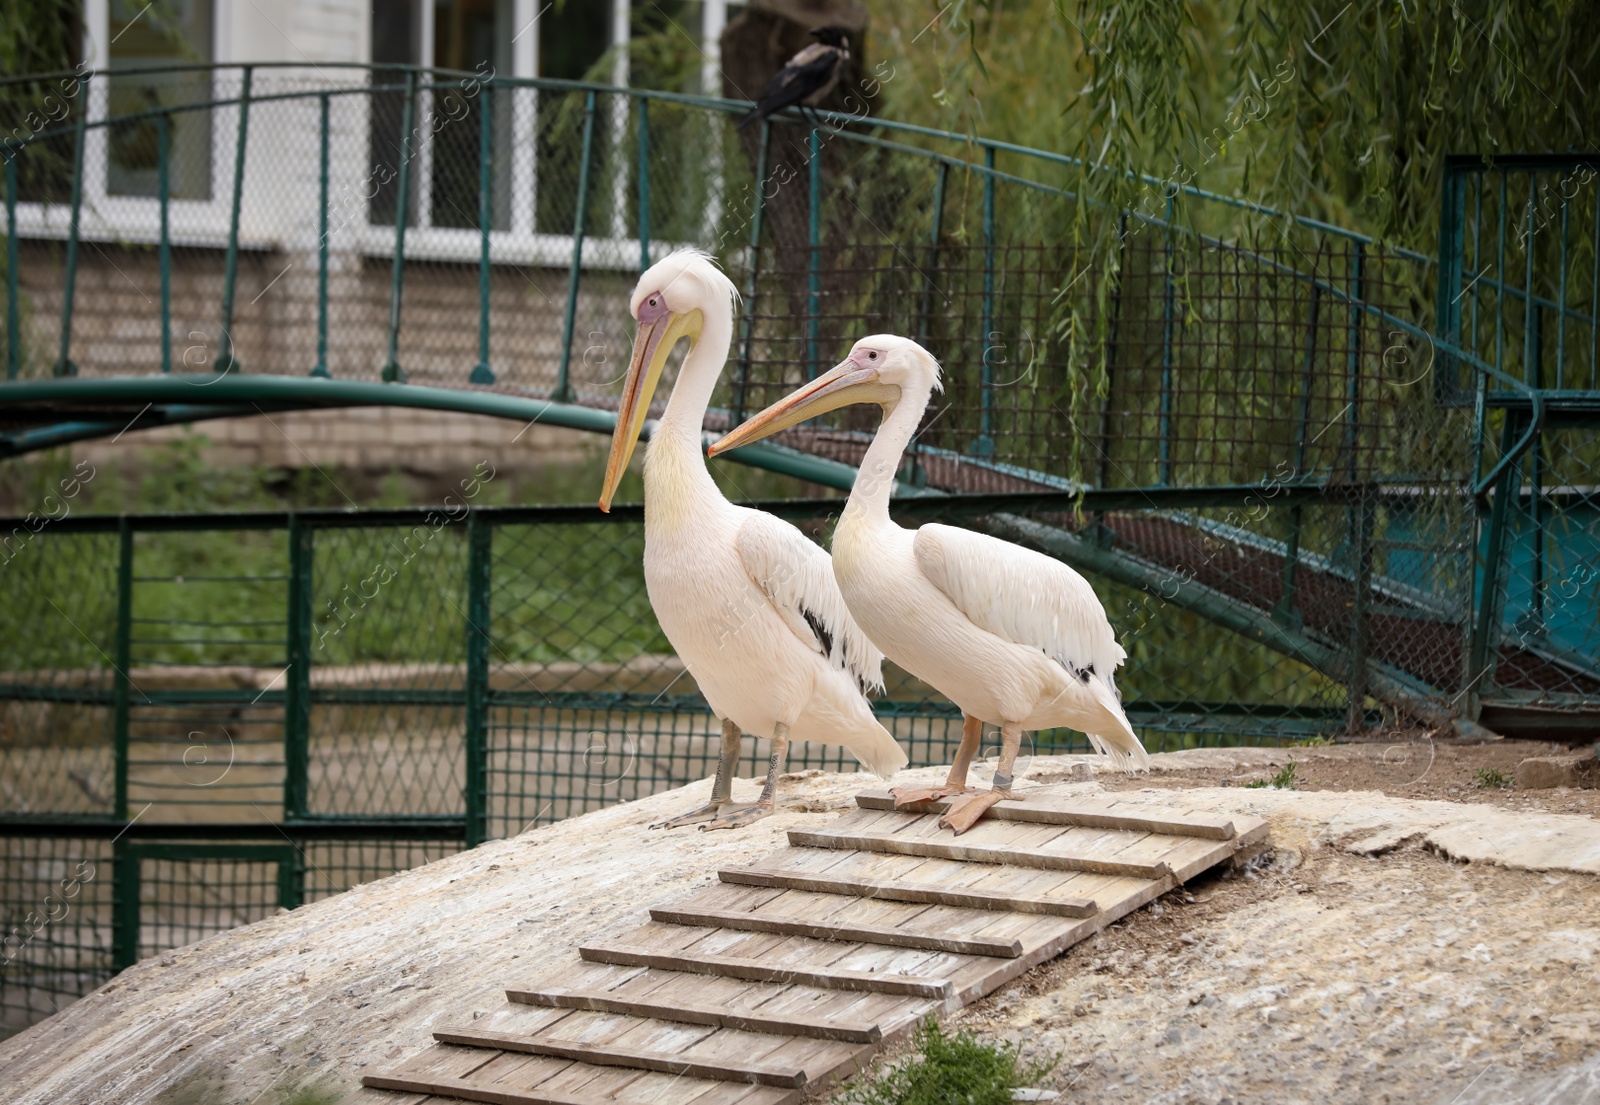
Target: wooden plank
(829,930)
(973,852)
(468,1073)
(609,1055)
(908,892)
(696,1013)
(1091,813)
(758,970)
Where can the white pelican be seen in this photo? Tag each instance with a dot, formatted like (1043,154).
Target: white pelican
(1011,636)
(749,603)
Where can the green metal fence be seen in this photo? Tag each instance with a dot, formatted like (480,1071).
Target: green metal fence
(1311,505)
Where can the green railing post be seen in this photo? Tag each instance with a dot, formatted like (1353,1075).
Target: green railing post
(563,393)
(122,649)
(984,446)
(164,188)
(1360,629)
(1164,442)
(480,536)
(297,693)
(1102,534)
(1447,305)
(914,474)
(1530,309)
(1482,646)
(643,174)
(292,878)
(482,374)
(228,361)
(814,253)
(64,363)
(321,369)
(13,312)
(125,892)
(747,324)
(1284,612)
(392,372)
(1352,410)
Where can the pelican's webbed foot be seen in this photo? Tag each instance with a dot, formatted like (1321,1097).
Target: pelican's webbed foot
(707,812)
(910,796)
(969,809)
(737,817)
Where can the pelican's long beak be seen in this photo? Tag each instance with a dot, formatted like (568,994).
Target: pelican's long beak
(842,385)
(659,331)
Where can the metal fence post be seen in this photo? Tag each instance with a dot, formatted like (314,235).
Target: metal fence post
(164,187)
(813,253)
(643,174)
(1164,444)
(482,374)
(297,693)
(747,324)
(1483,646)
(563,393)
(227,361)
(64,364)
(13,313)
(1360,631)
(125,892)
(392,372)
(1284,612)
(321,368)
(984,446)
(123,649)
(480,536)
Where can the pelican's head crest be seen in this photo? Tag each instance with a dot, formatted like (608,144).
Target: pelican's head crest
(684,281)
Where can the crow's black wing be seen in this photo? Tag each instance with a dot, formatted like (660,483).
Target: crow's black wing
(795,81)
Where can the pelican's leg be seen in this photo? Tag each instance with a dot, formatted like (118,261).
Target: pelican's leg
(738,817)
(956,782)
(965,811)
(721,789)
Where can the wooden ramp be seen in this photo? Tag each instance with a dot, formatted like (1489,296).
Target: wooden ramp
(792,972)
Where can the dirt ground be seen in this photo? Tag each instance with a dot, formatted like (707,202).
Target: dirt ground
(1405,765)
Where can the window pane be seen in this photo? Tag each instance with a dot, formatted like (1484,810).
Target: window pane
(572,40)
(473,36)
(396,30)
(174,33)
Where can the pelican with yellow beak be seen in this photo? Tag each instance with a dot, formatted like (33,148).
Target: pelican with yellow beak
(747,601)
(1010,635)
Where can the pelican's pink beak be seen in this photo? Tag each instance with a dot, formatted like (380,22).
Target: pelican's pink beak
(659,331)
(846,383)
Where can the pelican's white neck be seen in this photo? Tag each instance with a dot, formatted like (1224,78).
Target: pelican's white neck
(675,473)
(875,481)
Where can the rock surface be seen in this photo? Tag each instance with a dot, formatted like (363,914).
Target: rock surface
(1355,959)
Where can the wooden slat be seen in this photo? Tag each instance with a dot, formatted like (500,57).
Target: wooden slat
(974,852)
(838,930)
(1090,813)
(611,1055)
(758,970)
(698,1013)
(908,892)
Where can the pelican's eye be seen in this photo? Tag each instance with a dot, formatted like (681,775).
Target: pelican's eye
(872,355)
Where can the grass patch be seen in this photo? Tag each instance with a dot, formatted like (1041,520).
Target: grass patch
(1283,780)
(1488,778)
(955,1069)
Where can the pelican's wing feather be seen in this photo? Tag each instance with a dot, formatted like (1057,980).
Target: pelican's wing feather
(797,576)
(1022,596)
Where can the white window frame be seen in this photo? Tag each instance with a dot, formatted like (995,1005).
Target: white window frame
(104,217)
(603,247)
